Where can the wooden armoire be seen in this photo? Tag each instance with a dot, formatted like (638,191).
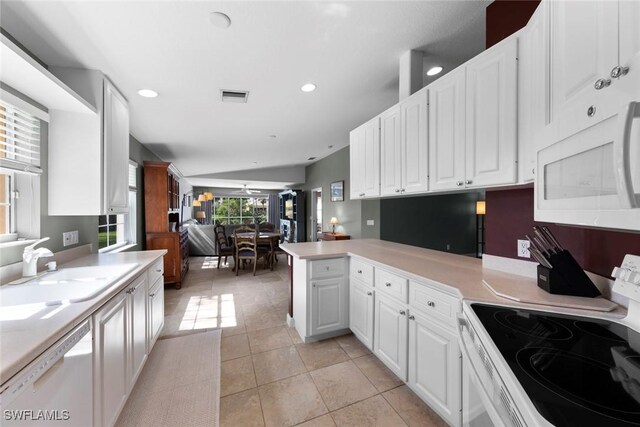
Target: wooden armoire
(162,217)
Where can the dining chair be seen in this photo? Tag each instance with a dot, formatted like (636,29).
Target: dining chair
(223,248)
(246,247)
(266,226)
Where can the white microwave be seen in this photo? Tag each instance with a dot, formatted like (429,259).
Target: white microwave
(591,178)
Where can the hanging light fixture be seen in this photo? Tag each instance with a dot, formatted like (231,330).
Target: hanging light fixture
(197,203)
(202,197)
(209,195)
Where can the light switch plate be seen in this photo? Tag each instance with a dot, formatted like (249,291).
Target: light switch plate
(370,222)
(70,238)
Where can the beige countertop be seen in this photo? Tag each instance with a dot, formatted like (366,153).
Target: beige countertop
(22,339)
(456,274)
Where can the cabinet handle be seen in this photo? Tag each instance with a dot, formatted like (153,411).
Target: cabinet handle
(591,111)
(314,285)
(359,271)
(152,295)
(459,183)
(397,190)
(362,194)
(602,83)
(402,190)
(327,268)
(369,293)
(158,270)
(412,317)
(431,304)
(619,71)
(468,182)
(388,285)
(402,312)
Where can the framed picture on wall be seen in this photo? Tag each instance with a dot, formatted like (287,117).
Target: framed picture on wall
(337,191)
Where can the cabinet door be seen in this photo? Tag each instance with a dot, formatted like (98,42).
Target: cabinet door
(390,152)
(447,131)
(112,385)
(116,150)
(356,163)
(491,118)
(137,327)
(390,334)
(328,305)
(156,312)
(371,159)
(584,49)
(434,367)
(415,148)
(629,31)
(361,312)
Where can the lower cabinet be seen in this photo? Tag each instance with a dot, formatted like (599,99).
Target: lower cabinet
(435,366)
(138,327)
(328,305)
(361,312)
(111,385)
(155,312)
(390,334)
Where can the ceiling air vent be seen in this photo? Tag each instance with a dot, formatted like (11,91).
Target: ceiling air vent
(311,158)
(239,96)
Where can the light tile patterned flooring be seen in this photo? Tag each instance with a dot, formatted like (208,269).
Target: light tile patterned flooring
(268,376)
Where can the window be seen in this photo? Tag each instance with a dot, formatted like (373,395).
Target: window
(115,231)
(239,210)
(19,171)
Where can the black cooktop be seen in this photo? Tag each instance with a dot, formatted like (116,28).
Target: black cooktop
(577,371)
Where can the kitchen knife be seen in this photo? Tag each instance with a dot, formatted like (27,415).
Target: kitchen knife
(547,245)
(540,258)
(552,238)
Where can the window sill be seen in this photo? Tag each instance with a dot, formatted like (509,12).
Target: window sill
(117,248)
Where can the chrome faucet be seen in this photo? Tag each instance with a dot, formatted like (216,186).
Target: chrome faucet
(30,258)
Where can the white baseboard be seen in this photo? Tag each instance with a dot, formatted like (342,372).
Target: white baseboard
(290,321)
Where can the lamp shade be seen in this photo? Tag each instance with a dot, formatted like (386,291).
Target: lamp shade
(333,220)
(202,198)
(197,203)
(481,207)
(200,215)
(209,195)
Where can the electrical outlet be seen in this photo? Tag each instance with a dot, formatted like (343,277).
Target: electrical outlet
(523,249)
(370,222)
(70,238)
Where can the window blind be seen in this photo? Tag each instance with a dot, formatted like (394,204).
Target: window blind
(133,180)
(19,140)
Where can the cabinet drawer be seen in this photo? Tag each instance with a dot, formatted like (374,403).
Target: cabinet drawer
(156,270)
(391,284)
(326,268)
(433,302)
(361,271)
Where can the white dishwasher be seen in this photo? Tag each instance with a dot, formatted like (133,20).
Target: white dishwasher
(56,388)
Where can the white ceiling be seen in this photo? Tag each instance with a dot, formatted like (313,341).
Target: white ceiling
(349,49)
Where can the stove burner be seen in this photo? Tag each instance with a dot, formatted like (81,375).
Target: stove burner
(533,325)
(601,331)
(580,380)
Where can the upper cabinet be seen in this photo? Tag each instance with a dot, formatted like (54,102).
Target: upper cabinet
(89,154)
(364,159)
(390,152)
(473,121)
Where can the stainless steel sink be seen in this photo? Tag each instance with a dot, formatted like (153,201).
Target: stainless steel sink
(68,285)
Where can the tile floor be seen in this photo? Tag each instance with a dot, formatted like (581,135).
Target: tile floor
(268,376)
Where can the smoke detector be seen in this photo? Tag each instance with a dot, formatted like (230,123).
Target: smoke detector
(238,96)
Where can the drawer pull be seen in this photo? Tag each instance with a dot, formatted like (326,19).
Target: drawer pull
(327,268)
(431,304)
(369,293)
(158,270)
(388,285)
(412,317)
(359,271)
(152,295)
(402,312)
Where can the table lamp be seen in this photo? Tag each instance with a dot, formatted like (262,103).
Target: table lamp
(200,215)
(333,223)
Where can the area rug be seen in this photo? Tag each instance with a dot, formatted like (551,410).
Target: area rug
(179,385)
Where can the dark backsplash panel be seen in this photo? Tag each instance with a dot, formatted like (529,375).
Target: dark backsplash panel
(505,17)
(431,222)
(510,216)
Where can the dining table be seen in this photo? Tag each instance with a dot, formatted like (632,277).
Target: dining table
(270,238)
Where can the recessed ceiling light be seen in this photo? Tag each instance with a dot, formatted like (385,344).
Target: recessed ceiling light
(220,20)
(148,93)
(434,70)
(308,87)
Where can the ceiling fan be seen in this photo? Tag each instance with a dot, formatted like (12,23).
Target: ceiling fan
(245,190)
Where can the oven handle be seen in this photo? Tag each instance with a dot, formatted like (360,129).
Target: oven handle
(494,414)
(622,156)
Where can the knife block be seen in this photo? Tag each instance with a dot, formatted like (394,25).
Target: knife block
(566,277)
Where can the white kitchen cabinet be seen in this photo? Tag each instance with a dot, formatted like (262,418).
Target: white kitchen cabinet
(415,149)
(111,356)
(447,130)
(390,334)
(390,152)
(629,31)
(361,303)
(89,152)
(491,117)
(365,160)
(435,366)
(137,300)
(156,311)
(404,147)
(328,305)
